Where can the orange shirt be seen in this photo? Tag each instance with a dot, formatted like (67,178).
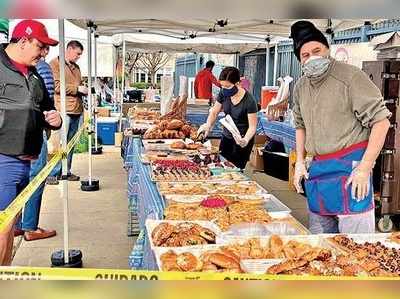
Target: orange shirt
(203,84)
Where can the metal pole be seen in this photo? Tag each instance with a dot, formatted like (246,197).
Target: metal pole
(96,84)
(64,137)
(114,76)
(89,41)
(237,60)
(123,80)
(275,64)
(267,63)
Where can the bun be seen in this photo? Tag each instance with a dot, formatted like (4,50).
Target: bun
(175,124)
(178,145)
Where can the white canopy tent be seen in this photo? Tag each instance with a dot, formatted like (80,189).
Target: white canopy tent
(185,29)
(205,35)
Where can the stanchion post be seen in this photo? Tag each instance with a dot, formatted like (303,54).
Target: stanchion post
(97,150)
(64,258)
(90,184)
(122,81)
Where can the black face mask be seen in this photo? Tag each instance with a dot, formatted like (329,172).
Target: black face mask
(230,92)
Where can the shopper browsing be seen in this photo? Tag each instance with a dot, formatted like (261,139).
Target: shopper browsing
(28,227)
(204,82)
(25,110)
(235,101)
(342,121)
(74,105)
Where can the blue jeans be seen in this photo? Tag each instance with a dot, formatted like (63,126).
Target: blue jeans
(72,122)
(14,177)
(30,216)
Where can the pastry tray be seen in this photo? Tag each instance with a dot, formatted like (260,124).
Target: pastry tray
(254,266)
(362,238)
(260,189)
(196,251)
(152,224)
(158,144)
(269,201)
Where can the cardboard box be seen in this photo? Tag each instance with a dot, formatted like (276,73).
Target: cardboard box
(292,164)
(118,138)
(103,112)
(256,156)
(260,139)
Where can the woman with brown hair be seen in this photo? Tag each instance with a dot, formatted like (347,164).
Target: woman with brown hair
(235,101)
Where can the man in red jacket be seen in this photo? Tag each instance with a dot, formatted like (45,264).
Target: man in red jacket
(204,81)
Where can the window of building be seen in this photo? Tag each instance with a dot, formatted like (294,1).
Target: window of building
(142,77)
(159,77)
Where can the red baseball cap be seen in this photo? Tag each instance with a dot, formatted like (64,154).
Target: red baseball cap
(33,29)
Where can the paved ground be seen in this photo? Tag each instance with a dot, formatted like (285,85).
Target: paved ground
(98,221)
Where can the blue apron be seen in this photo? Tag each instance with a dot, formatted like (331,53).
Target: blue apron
(325,189)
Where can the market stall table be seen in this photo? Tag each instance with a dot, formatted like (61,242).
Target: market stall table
(278,131)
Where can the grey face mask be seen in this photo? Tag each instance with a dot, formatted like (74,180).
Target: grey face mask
(316,66)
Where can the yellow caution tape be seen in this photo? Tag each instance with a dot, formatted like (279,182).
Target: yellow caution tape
(37,273)
(19,202)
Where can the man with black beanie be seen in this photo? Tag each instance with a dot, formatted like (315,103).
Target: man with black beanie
(342,121)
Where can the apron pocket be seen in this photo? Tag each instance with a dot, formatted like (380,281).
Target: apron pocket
(362,205)
(326,196)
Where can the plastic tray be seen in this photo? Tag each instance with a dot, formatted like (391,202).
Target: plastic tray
(260,266)
(191,199)
(362,238)
(150,144)
(273,204)
(196,251)
(210,190)
(152,224)
(277,227)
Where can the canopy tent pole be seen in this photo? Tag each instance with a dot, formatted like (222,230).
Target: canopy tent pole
(115,76)
(90,184)
(267,61)
(64,258)
(237,60)
(97,150)
(90,108)
(122,81)
(276,54)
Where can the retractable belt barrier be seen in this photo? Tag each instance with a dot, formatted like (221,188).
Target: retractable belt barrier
(36,273)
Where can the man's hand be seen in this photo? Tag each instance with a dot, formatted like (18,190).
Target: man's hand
(83,90)
(359,180)
(300,172)
(53,118)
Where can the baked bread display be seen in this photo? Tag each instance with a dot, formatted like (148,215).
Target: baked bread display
(209,261)
(170,129)
(183,234)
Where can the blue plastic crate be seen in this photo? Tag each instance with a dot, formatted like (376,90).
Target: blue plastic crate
(106,131)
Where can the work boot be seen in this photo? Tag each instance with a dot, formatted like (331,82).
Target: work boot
(52,180)
(73,178)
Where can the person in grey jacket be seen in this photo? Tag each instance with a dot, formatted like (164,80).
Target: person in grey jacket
(342,121)
(25,111)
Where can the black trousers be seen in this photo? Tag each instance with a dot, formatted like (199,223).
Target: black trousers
(234,153)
